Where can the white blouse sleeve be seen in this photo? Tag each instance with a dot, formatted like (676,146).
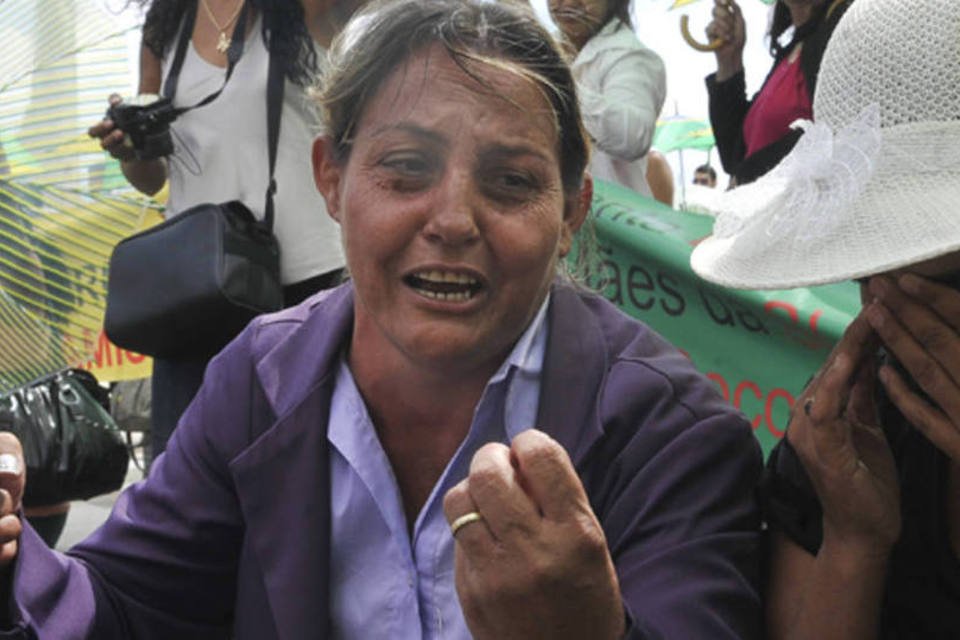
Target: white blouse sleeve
(621,93)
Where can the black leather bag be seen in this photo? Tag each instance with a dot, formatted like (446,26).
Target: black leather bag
(72,448)
(189,285)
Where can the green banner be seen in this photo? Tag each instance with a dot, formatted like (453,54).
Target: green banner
(759,347)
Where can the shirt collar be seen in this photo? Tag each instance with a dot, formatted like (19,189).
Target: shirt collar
(614,35)
(527,353)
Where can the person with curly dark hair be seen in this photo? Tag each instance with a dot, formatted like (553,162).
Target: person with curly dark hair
(220,150)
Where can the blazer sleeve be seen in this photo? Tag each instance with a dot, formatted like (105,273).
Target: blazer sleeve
(680,514)
(621,94)
(164,565)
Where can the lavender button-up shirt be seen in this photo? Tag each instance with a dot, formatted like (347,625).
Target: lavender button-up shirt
(387,584)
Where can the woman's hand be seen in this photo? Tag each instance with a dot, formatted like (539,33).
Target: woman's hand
(146,176)
(918,321)
(13,480)
(112,140)
(834,429)
(728,25)
(536,565)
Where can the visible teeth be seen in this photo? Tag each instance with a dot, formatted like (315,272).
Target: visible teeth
(446,276)
(445,286)
(446,297)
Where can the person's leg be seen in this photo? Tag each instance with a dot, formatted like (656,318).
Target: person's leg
(174,384)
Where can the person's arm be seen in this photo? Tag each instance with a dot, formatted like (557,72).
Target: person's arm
(165,563)
(621,95)
(727,87)
(660,177)
(146,176)
(684,530)
(728,107)
(672,481)
(837,592)
(12,484)
(729,27)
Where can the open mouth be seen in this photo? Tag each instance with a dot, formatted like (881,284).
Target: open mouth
(447,286)
(570,14)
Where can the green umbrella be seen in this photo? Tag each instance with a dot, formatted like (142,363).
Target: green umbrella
(681,132)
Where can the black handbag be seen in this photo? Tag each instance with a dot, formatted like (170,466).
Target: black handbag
(189,285)
(72,448)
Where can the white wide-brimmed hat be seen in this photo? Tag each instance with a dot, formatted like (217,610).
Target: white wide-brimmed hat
(874,184)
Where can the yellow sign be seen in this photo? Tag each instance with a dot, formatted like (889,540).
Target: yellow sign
(111,363)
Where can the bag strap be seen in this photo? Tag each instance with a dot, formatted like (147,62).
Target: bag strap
(233,55)
(275,85)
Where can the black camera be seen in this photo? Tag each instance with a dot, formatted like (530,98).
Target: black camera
(148,126)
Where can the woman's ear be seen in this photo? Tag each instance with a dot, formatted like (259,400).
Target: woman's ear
(575,212)
(326,174)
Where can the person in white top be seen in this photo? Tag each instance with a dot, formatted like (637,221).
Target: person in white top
(621,83)
(220,150)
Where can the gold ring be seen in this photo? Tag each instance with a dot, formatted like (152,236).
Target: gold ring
(463,521)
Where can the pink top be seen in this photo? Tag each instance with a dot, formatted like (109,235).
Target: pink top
(783,99)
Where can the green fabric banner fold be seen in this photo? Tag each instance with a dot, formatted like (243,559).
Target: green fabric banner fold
(759,347)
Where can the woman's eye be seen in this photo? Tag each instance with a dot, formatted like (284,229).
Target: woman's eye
(515,184)
(407,164)
(515,181)
(407,172)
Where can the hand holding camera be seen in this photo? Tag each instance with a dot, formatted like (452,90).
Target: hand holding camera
(136,132)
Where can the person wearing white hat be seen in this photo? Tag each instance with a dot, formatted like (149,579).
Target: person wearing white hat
(863,495)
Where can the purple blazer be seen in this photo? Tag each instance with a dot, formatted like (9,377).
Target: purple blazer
(229,536)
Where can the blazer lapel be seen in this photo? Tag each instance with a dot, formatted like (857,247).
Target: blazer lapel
(283,478)
(283,487)
(573,371)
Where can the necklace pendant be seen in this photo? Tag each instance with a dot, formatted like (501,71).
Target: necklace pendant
(223,42)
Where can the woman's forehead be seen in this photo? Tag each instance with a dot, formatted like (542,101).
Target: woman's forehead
(430,88)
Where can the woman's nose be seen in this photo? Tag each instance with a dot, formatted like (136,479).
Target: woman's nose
(453,221)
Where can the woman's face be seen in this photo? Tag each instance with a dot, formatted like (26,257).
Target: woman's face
(945,268)
(939,268)
(579,19)
(795,4)
(452,212)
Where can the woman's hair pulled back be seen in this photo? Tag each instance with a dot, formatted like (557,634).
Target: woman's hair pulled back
(504,35)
